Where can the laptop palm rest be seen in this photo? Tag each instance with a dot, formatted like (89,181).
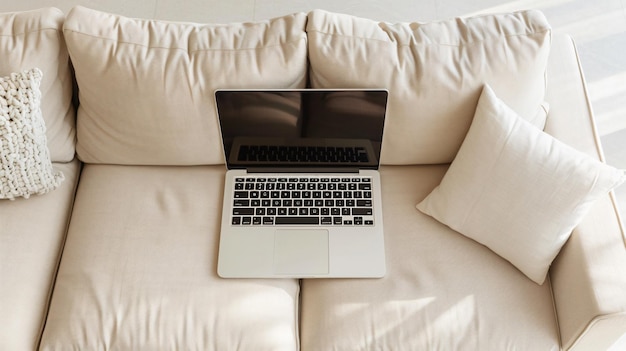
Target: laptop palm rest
(301,252)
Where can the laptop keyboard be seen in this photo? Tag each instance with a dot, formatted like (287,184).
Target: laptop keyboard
(303,200)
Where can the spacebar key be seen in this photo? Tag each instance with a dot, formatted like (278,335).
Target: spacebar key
(297,220)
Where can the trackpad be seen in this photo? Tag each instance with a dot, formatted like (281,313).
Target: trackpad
(301,251)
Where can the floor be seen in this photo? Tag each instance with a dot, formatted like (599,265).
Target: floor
(598,27)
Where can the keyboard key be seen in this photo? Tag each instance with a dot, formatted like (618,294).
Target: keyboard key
(297,220)
(364,203)
(241,194)
(361,211)
(242,211)
(241,203)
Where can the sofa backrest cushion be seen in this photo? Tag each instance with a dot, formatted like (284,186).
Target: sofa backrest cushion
(33,39)
(146,87)
(434,73)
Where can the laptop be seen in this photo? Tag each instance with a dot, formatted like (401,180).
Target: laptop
(302,195)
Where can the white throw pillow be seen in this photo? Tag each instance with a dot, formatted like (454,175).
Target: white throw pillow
(516,189)
(25,166)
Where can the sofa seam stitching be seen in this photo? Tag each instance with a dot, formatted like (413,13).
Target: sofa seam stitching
(13,35)
(470,43)
(282,44)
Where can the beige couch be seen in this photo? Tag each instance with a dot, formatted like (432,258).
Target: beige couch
(122,256)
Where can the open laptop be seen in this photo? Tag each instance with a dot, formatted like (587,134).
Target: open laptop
(302,194)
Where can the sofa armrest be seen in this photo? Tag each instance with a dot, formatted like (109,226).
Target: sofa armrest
(589,275)
(589,283)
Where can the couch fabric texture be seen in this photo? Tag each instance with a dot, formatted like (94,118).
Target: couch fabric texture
(126,257)
(435,68)
(34,39)
(169,71)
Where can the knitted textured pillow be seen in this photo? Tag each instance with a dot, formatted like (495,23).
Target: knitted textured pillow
(25,166)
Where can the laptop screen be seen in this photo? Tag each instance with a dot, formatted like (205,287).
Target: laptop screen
(302,128)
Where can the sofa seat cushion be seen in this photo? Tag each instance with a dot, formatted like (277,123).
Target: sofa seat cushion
(442,290)
(139,270)
(147,86)
(434,72)
(32,233)
(33,39)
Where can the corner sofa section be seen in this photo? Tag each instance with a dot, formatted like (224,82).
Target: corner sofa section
(32,231)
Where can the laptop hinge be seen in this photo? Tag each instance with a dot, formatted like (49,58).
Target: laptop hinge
(302,170)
